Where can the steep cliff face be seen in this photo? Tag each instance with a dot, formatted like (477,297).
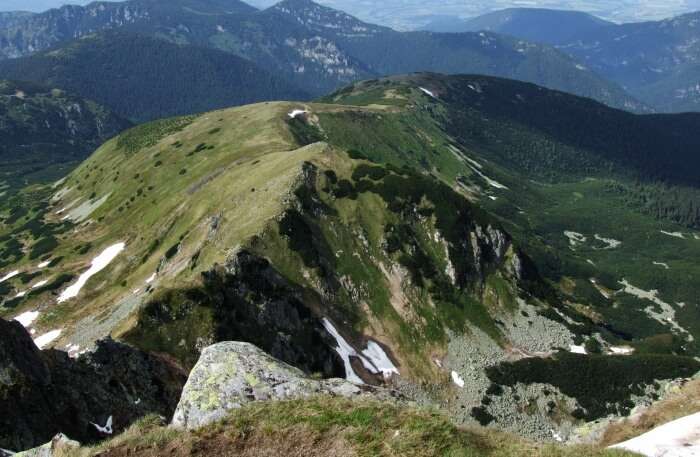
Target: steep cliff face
(381,256)
(101,393)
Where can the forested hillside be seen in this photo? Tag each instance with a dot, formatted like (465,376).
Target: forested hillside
(46,131)
(144,78)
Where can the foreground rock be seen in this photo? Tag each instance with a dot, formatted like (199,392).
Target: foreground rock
(43,393)
(231,374)
(59,445)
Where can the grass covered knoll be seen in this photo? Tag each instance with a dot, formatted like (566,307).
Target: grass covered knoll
(328,427)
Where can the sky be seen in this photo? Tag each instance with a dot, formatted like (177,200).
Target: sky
(407,14)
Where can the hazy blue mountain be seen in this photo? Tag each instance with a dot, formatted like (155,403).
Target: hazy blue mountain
(657,61)
(534,24)
(316,47)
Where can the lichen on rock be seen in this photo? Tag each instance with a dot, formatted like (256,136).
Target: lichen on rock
(230,374)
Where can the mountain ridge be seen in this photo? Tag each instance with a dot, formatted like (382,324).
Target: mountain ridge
(137,75)
(290,42)
(542,25)
(385,218)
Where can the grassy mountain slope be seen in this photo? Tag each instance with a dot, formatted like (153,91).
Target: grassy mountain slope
(580,190)
(386,212)
(536,24)
(45,132)
(276,206)
(315,47)
(321,427)
(143,78)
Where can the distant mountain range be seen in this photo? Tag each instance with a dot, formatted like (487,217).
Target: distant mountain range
(657,62)
(310,46)
(535,24)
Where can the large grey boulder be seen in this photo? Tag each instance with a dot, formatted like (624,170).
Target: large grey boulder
(229,375)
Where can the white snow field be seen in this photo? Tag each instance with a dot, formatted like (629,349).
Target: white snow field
(344,350)
(575,238)
(427,92)
(379,359)
(373,358)
(40,284)
(26,319)
(457,379)
(674,234)
(577,349)
(9,275)
(610,242)
(297,112)
(99,263)
(680,438)
(46,339)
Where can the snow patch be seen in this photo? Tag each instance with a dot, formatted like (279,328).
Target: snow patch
(46,339)
(621,350)
(107,429)
(602,291)
(577,349)
(21,294)
(40,284)
(9,275)
(99,263)
(26,319)
(427,92)
(674,234)
(491,182)
(151,278)
(297,112)
(610,242)
(44,264)
(667,316)
(373,358)
(575,238)
(680,438)
(457,379)
(344,350)
(379,359)
(662,264)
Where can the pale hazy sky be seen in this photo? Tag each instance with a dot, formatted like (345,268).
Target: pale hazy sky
(403,13)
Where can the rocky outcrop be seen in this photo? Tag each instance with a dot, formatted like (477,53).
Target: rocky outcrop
(58,446)
(231,374)
(249,301)
(43,393)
